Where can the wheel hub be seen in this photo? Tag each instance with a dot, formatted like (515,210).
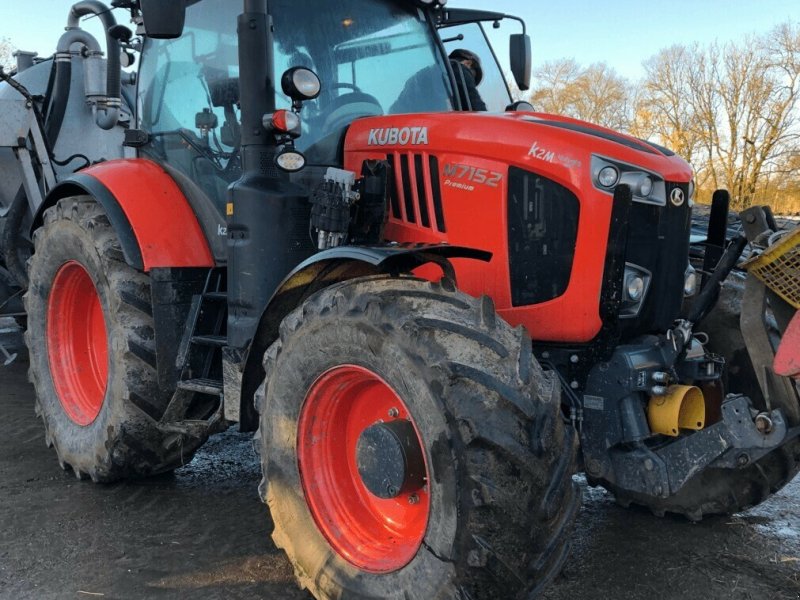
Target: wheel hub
(390,460)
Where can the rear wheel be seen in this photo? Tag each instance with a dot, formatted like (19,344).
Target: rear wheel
(413,448)
(92,351)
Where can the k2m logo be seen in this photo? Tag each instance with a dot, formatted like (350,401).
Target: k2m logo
(472,174)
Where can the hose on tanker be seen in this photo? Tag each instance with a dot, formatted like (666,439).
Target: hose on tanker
(63,68)
(58,103)
(113,54)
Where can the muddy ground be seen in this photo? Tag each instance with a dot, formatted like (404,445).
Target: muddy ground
(202,533)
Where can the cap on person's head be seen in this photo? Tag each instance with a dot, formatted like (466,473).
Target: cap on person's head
(460,54)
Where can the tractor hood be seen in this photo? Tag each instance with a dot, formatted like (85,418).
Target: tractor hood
(527,187)
(561,146)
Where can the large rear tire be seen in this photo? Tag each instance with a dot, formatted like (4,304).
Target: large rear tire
(92,351)
(494,515)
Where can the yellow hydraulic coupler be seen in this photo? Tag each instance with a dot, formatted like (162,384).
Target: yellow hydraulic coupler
(683,407)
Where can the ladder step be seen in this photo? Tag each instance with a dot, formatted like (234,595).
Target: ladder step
(202,386)
(216,296)
(217,341)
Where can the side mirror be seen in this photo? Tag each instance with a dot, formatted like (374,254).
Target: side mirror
(163,19)
(521,60)
(520,106)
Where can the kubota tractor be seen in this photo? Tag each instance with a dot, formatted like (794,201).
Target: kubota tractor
(278,213)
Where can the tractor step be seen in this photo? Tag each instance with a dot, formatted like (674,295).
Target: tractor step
(216,341)
(202,386)
(216,296)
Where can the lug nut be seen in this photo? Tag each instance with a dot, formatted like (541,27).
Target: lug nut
(393,412)
(764,424)
(413,499)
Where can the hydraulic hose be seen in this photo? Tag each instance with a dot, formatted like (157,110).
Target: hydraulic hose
(706,300)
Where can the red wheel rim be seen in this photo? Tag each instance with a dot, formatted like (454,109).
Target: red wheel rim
(375,535)
(77,346)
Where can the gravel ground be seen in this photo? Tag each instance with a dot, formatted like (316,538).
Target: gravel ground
(202,533)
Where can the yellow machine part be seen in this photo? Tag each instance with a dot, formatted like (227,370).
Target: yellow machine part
(683,407)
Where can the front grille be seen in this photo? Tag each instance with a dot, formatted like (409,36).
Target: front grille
(415,195)
(542,231)
(658,241)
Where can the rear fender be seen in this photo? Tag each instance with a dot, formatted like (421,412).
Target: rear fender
(154,222)
(318,272)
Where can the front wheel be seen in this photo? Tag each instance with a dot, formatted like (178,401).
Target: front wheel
(413,448)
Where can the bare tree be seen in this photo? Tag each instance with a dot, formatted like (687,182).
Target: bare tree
(730,110)
(665,105)
(6,52)
(595,93)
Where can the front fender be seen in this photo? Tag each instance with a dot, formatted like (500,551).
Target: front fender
(316,273)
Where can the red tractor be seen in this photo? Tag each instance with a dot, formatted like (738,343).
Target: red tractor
(282,215)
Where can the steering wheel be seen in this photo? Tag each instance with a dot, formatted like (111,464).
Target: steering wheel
(342,110)
(343,85)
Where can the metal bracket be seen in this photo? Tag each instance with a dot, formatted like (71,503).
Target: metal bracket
(18,125)
(734,442)
(779,392)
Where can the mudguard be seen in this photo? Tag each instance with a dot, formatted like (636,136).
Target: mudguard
(318,272)
(155,223)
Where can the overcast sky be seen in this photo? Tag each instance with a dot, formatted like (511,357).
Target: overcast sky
(621,33)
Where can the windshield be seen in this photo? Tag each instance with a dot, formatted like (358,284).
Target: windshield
(492,88)
(373,58)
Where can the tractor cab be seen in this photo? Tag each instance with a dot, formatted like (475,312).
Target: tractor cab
(372,58)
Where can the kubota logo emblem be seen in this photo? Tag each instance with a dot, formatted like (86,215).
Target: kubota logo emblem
(676,197)
(398,136)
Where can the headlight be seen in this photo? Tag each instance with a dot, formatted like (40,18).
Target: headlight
(646,186)
(291,161)
(608,177)
(634,290)
(690,282)
(691,190)
(300,84)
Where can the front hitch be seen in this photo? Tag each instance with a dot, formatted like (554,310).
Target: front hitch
(743,436)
